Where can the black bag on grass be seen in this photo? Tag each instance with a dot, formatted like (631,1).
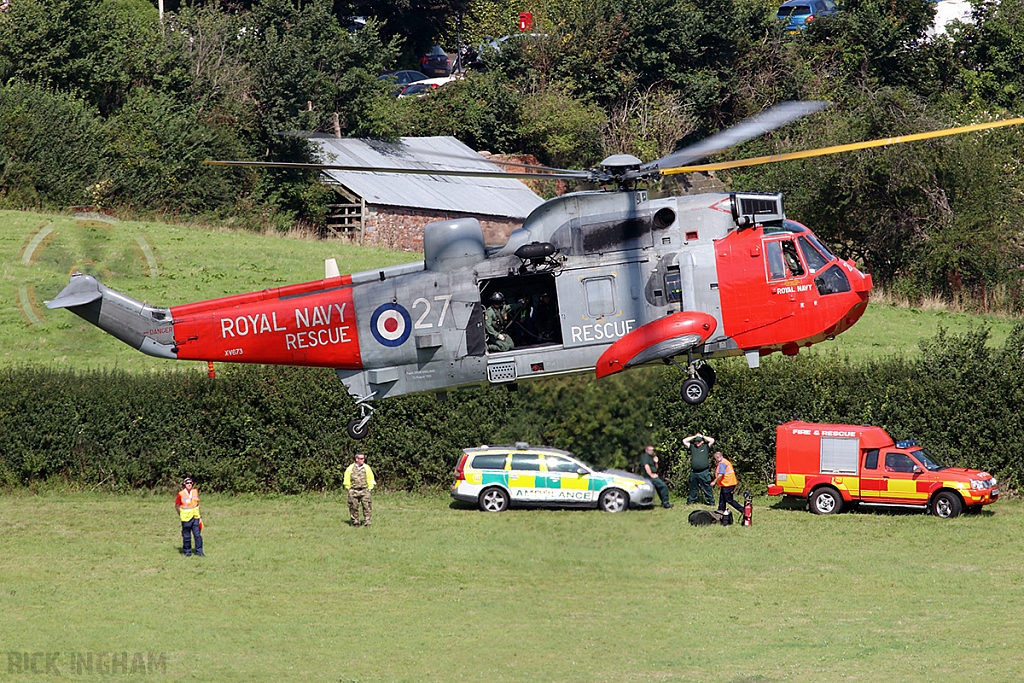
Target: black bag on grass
(702,518)
(706,517)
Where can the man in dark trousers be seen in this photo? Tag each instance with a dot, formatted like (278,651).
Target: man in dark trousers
(725,477)
(699,447)
(187,505)
(649,469)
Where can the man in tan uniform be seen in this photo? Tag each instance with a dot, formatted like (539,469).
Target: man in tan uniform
(359,481)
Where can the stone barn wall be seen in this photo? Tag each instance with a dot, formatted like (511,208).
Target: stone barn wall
(401,228)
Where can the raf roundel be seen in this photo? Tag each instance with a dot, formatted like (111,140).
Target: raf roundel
(391,324)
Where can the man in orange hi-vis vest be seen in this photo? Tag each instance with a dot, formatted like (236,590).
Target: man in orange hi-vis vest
(187,505)
(725,477)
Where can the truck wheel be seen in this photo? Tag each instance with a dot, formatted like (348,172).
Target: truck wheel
(946,505)
(826,501)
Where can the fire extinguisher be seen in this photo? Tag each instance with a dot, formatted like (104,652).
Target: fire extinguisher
(748,507)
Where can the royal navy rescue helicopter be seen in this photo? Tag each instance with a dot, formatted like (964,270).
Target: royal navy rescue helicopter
(603,280)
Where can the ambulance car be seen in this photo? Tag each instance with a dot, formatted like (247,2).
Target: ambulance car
(495,477)
(833,466)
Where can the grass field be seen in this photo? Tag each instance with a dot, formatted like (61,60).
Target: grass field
(434,592)
(169,265)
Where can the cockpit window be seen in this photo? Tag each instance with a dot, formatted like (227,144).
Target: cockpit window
(783,260)
(792,260)
(776,268)
(787,226)
(815,261)
(821,247)
(832,281)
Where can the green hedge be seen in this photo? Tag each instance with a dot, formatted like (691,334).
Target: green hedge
(265,429)
(253,429)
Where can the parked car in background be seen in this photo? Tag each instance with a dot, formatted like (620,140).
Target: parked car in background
(424,87)
(798,13)
(436,63)
(496,43)
(401,79)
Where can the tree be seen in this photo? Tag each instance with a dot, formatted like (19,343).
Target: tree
(154,156)
(992,51)
(415,23)
(51,147)
(99,49)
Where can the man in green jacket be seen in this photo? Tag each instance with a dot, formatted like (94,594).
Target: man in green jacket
(649,469)
(497,319)
(359,481)
(699,447)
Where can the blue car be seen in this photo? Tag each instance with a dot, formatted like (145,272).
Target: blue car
(798,13)
(436,63)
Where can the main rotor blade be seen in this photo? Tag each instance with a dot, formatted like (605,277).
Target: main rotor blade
(566,175)
(491,160)
(839,149)
(758,125)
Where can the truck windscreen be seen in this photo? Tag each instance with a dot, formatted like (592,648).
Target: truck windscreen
(926,460)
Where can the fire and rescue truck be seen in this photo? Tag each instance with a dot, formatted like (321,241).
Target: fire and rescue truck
(834,466)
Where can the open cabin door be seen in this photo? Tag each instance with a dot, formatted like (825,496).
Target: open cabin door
(534,304)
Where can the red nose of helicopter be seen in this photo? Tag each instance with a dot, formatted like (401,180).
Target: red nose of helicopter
(860,290)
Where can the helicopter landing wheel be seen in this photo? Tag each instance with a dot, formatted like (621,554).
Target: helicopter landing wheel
(694,391)
(707,373)
(358,429)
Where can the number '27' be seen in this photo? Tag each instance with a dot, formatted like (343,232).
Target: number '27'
(420,323)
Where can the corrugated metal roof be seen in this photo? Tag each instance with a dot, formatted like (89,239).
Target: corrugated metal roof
(503,197)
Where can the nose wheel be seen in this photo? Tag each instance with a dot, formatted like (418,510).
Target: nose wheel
(359,428)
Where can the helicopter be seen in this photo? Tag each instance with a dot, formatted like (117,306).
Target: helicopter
(596,281)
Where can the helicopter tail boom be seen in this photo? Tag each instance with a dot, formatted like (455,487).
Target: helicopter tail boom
(146,328)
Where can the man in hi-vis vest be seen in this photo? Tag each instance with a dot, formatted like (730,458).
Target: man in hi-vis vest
(187,505)
(726,479)
(359,481)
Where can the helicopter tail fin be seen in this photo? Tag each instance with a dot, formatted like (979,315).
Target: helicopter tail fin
(143,327)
